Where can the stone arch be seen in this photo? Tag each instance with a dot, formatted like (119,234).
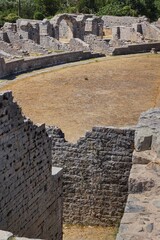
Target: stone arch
(70,22)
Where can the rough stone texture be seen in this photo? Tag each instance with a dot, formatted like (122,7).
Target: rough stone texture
(150,31)
(148,132)
(77,44)
(21,41)
(96,171)
(94,25)
(113,21)
(97,44)
(19,66)
(51,43)
(8,51)
(71,24)
(128,34)
(141,219)
(136,48)
(41,37)
(30,194)
(138,32)
(46,28)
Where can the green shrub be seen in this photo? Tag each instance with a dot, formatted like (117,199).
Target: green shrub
(11,17)
(39,16)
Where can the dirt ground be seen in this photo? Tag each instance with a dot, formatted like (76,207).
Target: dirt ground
(88,233)
(113,91)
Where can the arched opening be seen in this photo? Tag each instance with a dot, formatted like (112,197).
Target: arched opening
(65,30)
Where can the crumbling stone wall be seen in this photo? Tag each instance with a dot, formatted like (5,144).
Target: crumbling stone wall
(141,216)
(96,171)
(41,37)
(76,44)
(128,34)
(30,190)
(113,21)
(20,40)
(97,44)
(70,21)
(150,31)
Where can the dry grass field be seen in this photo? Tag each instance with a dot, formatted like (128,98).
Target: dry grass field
(113,91)
(88,233)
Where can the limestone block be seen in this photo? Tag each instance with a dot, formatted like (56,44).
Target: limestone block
(143,139)
(147,135)
(5,235)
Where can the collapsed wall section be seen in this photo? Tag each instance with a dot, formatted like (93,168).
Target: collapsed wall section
(30,197)
(96,171)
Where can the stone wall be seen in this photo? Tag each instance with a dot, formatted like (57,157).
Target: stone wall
(127,34)
(19,66)
(136,48)
(22,44)
(7,51)
(97,44)
(30,190)
(141,219)
(41,37)
(150,31)
(96,171)
(51,43)
(113,21)
(76,44)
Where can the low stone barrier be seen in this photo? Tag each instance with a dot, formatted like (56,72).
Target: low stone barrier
(136,48)
(19,66)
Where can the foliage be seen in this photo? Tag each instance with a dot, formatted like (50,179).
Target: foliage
(46,8)
(38,16)
(157,4)
(11,17)
(130,8)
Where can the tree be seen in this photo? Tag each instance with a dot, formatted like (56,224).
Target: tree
(47,7)
(131,8)
(157,4)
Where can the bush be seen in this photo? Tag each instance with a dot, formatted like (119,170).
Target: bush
(39,16)
(11,17)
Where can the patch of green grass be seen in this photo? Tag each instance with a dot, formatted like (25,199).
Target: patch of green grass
(12,238)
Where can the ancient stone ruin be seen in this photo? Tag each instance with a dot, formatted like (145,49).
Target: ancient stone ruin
(96,173)
(30,188)
(141,215)
(71,32)
(110,176)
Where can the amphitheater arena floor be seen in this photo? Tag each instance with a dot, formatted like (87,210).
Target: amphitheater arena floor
(76,97)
